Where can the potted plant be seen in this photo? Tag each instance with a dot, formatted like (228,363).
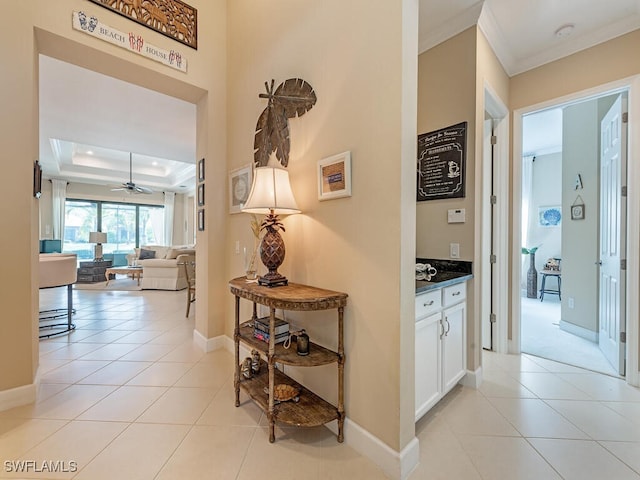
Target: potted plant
(532,273)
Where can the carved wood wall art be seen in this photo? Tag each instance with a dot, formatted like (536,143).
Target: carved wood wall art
(293,98)
(172,18)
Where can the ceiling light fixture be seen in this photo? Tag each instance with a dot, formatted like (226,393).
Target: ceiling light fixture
(565,30)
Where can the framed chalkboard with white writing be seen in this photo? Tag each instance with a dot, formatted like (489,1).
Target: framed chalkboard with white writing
(442,163)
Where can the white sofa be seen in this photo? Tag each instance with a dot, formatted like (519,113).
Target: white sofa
(161,272)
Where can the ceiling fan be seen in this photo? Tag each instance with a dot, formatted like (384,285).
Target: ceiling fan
(129,186)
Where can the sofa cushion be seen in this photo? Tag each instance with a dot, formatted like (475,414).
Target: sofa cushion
(146,254)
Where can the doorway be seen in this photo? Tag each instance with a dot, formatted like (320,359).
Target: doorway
(560,283)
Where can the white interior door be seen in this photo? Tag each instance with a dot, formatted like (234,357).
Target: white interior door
(612,284)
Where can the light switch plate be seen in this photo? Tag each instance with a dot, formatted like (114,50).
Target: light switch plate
(456,215)
(454,250)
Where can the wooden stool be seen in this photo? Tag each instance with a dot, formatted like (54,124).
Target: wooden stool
(543,287)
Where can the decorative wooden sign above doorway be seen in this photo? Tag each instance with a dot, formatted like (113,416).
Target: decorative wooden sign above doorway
(172,18)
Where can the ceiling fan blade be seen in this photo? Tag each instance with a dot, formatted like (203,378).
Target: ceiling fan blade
(139,189)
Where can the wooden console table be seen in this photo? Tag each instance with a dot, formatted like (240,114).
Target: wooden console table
(310,410)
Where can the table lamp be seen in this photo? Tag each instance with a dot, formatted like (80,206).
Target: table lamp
(98,238)
(271,195)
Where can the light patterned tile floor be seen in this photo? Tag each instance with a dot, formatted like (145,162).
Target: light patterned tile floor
(127,395)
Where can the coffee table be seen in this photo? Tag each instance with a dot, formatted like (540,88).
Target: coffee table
(135,272)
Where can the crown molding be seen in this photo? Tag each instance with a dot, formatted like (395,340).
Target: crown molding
(451,27)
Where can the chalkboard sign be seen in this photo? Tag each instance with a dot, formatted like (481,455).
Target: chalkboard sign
(441,163)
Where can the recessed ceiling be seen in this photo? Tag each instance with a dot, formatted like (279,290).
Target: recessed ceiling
(81,111)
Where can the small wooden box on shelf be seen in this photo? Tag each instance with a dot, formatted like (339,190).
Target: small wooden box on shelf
(310,410)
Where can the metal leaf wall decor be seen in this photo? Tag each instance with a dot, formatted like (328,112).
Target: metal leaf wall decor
(293,98)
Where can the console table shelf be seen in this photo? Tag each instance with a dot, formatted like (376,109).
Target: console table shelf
(310,410)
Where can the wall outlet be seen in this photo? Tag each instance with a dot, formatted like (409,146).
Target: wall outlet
(454,250)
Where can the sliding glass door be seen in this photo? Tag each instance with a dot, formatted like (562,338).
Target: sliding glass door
(127,226)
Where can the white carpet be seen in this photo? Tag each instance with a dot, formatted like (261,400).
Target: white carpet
(541,336)
(119,284)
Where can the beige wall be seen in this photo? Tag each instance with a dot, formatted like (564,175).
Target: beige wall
(451,83)
(352,244)
(614,60)
(607,62)
(446,96)
(45,27)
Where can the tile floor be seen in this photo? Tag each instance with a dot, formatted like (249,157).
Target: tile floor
(127,396)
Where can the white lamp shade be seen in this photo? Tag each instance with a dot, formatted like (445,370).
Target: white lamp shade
(271,191)
(97,237)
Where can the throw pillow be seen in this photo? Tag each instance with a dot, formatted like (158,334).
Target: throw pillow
(146,254)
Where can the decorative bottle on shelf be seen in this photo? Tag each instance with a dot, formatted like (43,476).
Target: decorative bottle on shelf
(302,343)
(532,277)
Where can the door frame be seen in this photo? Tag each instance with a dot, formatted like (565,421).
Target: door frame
(499,114)
(632,305)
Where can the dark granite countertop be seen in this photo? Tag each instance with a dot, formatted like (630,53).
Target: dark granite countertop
(450,272)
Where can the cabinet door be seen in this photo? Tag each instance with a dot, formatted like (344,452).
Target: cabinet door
(428,367)
(454,346)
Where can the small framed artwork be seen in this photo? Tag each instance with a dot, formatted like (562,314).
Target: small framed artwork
(201,170)
(201,195)
(334,176)
(239,188)
(549,216)
(577,212)
(201,220)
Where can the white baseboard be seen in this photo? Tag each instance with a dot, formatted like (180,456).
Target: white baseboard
(472,379)
(208,344)
(18,396)
(397,465)
(579,331)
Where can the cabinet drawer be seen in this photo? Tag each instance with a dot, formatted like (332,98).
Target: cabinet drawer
(454,294)
(427,303)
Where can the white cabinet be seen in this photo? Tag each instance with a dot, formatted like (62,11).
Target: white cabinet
(428,363)
(440,344)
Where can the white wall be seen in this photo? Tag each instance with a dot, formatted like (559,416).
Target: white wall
(580,237)
(546,191)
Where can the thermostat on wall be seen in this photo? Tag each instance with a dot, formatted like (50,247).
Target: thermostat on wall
(456,215)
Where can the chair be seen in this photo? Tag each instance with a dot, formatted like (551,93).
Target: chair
(188,263)
(551,269)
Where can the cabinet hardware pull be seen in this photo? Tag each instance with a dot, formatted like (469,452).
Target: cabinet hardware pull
(442,334)
(448,326)
(455,294)
(428,304)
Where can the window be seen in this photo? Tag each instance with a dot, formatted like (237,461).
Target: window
(127,226)
(81,217)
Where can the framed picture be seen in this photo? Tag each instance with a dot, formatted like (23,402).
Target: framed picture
(577,212)
(201,170)
(239,188)
(550,216)
(334,176)
(201,220)
(201,195)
